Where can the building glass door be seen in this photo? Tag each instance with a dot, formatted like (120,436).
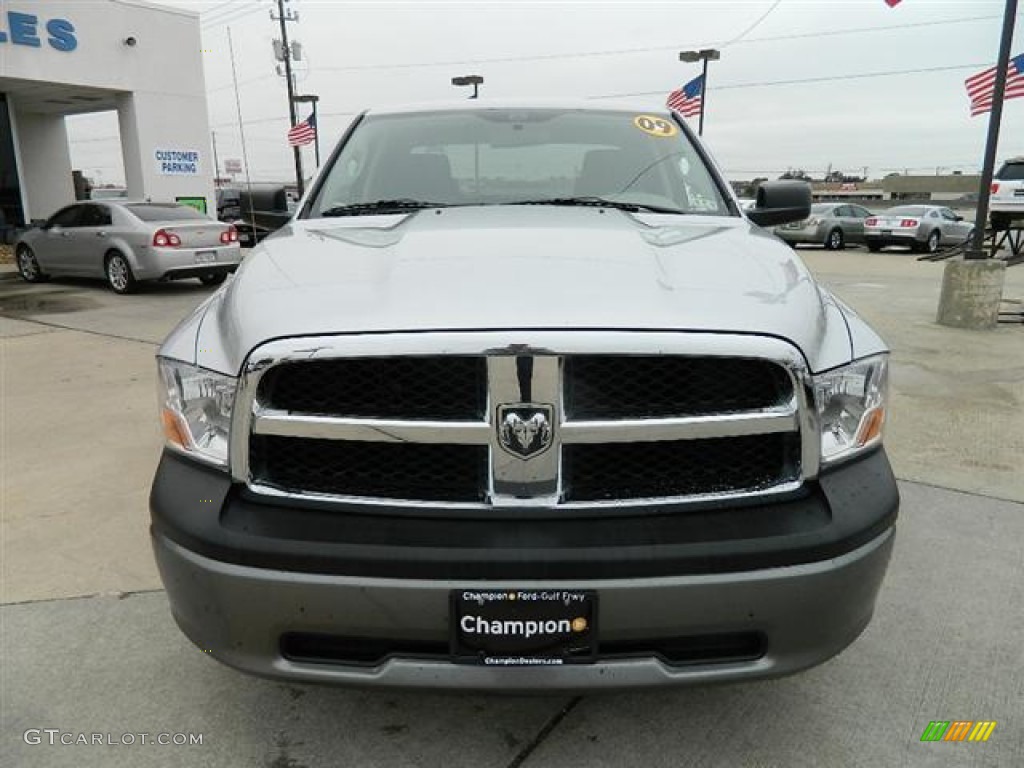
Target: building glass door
(11,214)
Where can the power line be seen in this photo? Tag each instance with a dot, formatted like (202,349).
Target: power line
(651,49)
(617,52)
(752,27)
(215,8)
(826,79)
(229,17)
(242,84)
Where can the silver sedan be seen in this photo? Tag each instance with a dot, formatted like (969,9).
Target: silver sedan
(830,224)
(922,227)
(129,242)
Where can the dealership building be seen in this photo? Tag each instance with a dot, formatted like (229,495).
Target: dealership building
(67,57)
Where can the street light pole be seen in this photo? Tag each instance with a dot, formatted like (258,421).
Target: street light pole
(704,55)
(312,99)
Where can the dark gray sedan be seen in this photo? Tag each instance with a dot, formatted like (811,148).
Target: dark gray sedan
(830,224)
(922,227)
(129,242)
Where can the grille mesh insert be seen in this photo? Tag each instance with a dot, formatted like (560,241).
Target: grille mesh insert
(439,387)
(678,467)
(624,387)
(425,472)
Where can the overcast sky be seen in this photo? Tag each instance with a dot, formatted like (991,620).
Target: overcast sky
(758,121)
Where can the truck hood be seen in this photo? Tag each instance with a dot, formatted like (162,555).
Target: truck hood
(520,267)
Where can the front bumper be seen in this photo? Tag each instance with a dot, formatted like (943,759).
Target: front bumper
(801,575)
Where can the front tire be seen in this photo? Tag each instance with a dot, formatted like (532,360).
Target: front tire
(214,278)
(28,266)
(119,274)
(931,245)
(834,240)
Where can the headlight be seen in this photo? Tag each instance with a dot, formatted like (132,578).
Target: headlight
(851,405)
(195,410)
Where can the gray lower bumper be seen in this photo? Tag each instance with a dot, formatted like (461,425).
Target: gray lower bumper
(807,613)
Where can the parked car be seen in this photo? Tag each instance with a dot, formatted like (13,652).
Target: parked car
(127,243)
(229,204)
(830,224)
(922,227)
(1007,196)
(263,209)
(108,193)
(520,400)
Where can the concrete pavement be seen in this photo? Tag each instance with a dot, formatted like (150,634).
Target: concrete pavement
(87,645)
(944,645)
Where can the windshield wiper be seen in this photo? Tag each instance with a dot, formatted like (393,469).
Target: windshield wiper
(598,202)
(381,206)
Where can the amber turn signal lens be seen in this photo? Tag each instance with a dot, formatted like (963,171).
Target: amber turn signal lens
(871,428)
(174,430)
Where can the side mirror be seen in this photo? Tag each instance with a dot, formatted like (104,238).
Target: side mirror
(780,202)
(958,217)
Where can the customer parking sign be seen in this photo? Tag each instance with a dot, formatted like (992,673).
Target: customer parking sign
(177,162)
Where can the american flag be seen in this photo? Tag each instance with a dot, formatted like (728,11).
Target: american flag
(980,87)
(687,100)
(303,133)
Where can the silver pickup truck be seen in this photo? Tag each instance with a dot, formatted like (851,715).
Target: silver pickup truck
(521,399)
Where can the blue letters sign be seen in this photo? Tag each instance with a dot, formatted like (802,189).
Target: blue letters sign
(23,29)
(177,162)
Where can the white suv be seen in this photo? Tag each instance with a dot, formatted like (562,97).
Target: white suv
(1007,201)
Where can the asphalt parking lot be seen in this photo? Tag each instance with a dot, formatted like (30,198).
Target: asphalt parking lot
(87,645)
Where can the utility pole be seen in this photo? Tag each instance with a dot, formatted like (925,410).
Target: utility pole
(284,18)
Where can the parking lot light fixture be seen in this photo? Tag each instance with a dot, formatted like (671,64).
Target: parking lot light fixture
(474,80)
(705,55)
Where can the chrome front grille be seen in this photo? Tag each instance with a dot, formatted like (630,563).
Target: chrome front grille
(567,419)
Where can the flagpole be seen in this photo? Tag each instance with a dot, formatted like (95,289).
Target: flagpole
(703,97)
(316,135)
(241,133)
(977,244)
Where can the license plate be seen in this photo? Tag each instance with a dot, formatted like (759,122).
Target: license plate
(205,257)
(886,231)
(521,627)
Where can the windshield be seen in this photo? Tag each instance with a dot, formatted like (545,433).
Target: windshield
(910,210)
(506,156)
(1011,172)
(157,212)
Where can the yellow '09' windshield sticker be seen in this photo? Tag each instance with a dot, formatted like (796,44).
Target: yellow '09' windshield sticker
(656,126)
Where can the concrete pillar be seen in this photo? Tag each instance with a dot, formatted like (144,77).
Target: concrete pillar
(155,122)
(131,149)
(971,292)
(44,161)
